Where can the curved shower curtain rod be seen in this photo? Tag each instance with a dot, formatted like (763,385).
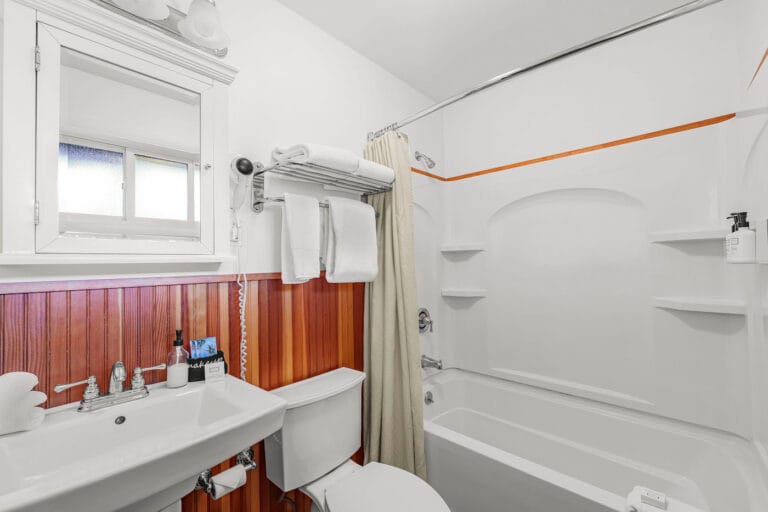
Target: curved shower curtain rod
(630,29)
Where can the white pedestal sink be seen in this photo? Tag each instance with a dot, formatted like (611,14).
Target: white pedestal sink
(139,456)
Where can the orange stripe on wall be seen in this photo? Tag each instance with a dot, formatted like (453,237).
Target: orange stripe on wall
(428,174)
(759,67)
(637,138)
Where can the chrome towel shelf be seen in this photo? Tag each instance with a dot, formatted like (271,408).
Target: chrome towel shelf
(331,179)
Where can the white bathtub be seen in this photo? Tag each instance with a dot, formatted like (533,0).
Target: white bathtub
(494,445)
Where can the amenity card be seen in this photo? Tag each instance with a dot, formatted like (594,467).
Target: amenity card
(204,347)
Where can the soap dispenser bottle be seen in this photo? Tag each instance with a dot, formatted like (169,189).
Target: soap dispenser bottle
(178,366)
(740,243)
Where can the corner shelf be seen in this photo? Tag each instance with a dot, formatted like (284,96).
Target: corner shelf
(702,305)
(466,247)
(467,293)
(662,237)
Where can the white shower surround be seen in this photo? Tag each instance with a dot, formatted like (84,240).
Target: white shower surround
(496,445)
(612,334)
(578,285)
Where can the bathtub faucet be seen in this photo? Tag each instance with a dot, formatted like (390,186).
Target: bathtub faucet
(428,362)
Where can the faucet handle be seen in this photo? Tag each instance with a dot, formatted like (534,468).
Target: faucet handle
(91,390)
(137,381)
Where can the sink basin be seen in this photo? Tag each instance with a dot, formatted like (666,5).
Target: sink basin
(92,461)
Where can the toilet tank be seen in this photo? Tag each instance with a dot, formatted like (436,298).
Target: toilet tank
(321,430)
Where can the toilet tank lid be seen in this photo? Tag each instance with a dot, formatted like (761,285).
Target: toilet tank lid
(319,387)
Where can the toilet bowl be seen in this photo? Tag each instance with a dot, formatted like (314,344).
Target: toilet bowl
(321,431)
(374,487)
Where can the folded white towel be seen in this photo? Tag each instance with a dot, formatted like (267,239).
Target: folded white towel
(300,239)
(375,171)
(352,253)
(18,401)
(334,158)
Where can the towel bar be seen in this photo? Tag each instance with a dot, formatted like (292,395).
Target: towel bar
(331,179)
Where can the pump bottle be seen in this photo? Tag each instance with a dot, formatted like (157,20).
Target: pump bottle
(178,367)
(740,243)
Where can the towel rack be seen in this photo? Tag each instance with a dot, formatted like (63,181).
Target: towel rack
(331,179)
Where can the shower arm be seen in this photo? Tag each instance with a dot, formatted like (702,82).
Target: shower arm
(616,34)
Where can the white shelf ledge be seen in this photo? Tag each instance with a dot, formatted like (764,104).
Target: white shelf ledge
(466,247)
(107,259)
(702,305)
(468,293)
(661,237)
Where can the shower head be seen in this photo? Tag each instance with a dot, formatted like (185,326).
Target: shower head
(421,157)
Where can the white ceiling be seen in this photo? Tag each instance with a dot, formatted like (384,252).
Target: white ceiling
(442,47)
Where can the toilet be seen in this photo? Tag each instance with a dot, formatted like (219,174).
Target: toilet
(321,431)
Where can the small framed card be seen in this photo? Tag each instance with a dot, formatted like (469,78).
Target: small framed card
(215,371)
(204,347)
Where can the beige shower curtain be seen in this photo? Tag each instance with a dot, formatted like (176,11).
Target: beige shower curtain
(394,425)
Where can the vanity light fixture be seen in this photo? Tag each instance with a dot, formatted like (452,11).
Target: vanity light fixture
(203,25)
(147,9)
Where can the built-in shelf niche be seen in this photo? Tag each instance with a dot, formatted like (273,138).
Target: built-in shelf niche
(665,237)
(702,305)
(469,247)
(461,253)
(467,293)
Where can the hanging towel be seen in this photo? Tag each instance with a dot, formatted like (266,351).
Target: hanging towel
(18,402)
(352,253)
(375,171)
(334,158)
(300,239)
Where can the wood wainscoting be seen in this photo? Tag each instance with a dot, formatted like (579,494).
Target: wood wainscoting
(65,331)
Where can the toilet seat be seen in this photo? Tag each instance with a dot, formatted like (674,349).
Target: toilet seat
(381,488)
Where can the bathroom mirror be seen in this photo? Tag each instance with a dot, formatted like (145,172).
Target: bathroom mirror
(128,168)
(133,162)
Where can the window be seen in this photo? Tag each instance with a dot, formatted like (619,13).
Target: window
(83,169)
(164,189)
(105,190)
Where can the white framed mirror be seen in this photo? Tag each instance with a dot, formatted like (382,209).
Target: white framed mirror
(123,152)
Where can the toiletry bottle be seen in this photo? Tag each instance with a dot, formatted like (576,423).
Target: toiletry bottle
(178,367)
(740,243)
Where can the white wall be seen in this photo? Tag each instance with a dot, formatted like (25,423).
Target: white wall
(296,84)
(569,267)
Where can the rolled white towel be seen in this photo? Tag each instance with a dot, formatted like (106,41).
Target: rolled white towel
(375,171)
(32,399)
(18,401)
(333,158)
(23,420)
(15,383)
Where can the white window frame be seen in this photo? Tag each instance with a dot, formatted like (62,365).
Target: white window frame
(125,240)
(129,225)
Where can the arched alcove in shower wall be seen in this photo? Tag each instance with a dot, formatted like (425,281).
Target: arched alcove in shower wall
(567,308)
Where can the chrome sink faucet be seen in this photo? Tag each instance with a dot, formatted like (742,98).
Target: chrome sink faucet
(117,378)
(93,399)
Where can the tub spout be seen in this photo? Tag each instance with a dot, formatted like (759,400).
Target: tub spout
(428,362)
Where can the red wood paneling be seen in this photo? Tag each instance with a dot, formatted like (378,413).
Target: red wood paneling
(65,331)
(58,349)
